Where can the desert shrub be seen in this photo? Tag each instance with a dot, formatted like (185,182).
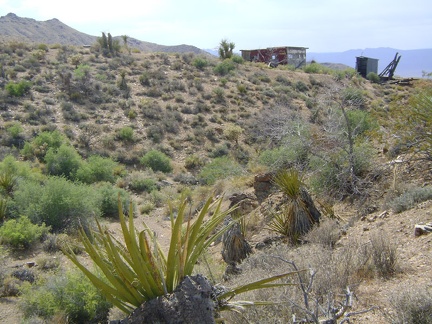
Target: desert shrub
(373,77)
(18,89)
(314,68)
(241,88)
(361,122)
(157,161)
(57,202)
(219,151)
(21,232)
(48,263)
(13,167)
(410,198)
(56,242)
(410,304)
(42,143)
(126,134)
(326,233)
(63,161)
(151,109)
(155,133)
(301,86)
(334,175)
(237,59)
(353,96)
(97,168)
(219,168)
(193,162)
(15,130)
(71,294)
(146,207)
(200,63)
(276,158)
(384,256)
(219,95)
(232,132)
(108,197)
(140,182)
(224,67)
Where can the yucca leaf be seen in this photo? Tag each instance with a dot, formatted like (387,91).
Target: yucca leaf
(138,261)
(172,278)
(259,284)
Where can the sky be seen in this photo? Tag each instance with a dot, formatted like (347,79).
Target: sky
(320,25)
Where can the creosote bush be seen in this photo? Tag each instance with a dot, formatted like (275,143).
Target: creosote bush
(157,161)
(21,233)
(72,296)
(219,168)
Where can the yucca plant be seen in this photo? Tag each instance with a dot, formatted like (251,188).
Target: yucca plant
(299,213)
(138,270)
(8,182)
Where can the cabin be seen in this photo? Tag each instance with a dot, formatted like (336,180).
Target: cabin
(365,65)
(274,56)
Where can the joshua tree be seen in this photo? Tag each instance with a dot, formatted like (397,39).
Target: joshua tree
(226,49)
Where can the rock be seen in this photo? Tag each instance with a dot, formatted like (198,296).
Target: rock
(192,302)
(421,229)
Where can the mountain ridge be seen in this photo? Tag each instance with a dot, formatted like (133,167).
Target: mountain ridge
(53,31)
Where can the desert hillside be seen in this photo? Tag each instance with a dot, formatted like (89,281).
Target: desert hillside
(82,126)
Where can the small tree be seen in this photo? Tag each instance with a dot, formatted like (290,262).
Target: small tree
(226,49)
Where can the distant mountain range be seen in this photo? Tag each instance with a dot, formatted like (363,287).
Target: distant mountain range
(53,31)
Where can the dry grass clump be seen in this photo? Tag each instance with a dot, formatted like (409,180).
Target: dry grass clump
(326,233)
(411,304)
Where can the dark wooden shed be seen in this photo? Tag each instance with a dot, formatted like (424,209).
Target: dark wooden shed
(365,65)
(277,55)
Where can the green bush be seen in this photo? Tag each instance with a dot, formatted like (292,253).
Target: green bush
(276,158)
(21,232)
(301,86)
(18,89)
(42,143)
(126,134)
(157,161)
(57,202)
(353,96)
(219,168)
(97,168)
(237,59)
(63,161)
(316,68)
(19,169)
(14,130)
(200,63)
(373,77)
(72,295)
(361,121)
(193,162)
(140,182)
(224,67)
(108,199)
(333,176)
